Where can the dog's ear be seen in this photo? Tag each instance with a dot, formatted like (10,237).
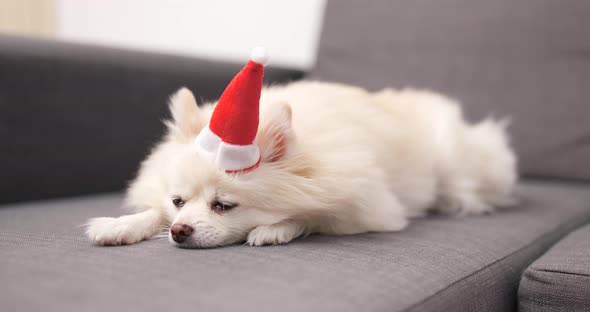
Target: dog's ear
(187,118)
(275,134)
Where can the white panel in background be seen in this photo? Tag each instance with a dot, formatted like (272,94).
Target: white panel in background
(220,29)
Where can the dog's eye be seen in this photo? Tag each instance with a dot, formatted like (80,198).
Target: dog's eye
(178,202)
(218,206)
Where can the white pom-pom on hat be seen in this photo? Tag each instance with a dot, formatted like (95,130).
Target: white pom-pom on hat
(259,55)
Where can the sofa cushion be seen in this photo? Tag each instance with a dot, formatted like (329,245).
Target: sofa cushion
(560,279)
(527,59)
(437,264)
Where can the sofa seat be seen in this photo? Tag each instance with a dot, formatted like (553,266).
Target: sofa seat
(438,264)
(560,279)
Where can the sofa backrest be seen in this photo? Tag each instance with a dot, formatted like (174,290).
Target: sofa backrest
(77,119)
(526,59)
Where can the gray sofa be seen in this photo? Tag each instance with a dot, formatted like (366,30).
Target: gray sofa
(560,279)
(62,107)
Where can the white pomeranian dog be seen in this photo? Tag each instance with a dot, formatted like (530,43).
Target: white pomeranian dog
(334,159)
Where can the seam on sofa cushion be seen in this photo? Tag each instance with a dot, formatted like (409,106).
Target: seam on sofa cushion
(560,272)
(553,237)
(39,239)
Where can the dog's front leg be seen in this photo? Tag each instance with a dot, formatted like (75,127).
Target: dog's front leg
(123,230)
(274,234)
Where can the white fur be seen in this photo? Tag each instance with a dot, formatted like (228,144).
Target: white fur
(335,159)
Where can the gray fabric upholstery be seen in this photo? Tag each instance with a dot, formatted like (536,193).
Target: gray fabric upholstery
(437,264)
(77,119)
(560,279)
(526,59)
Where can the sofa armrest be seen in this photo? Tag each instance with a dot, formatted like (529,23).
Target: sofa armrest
(77,119)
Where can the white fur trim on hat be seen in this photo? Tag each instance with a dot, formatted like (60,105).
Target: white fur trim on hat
(225,156)
(237,157)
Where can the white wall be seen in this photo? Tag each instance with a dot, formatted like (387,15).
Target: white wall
(218,29)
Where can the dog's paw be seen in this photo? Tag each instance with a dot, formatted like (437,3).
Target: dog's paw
(112,231)
(274,234)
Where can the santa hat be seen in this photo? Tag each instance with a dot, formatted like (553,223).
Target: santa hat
(228,139)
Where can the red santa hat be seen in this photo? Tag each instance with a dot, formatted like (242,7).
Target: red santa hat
(228,139)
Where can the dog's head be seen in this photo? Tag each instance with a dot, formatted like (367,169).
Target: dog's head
(208,207)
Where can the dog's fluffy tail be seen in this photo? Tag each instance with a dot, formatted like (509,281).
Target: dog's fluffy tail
(480,171)
(492,153)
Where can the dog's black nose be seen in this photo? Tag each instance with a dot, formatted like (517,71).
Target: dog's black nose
(180,232)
